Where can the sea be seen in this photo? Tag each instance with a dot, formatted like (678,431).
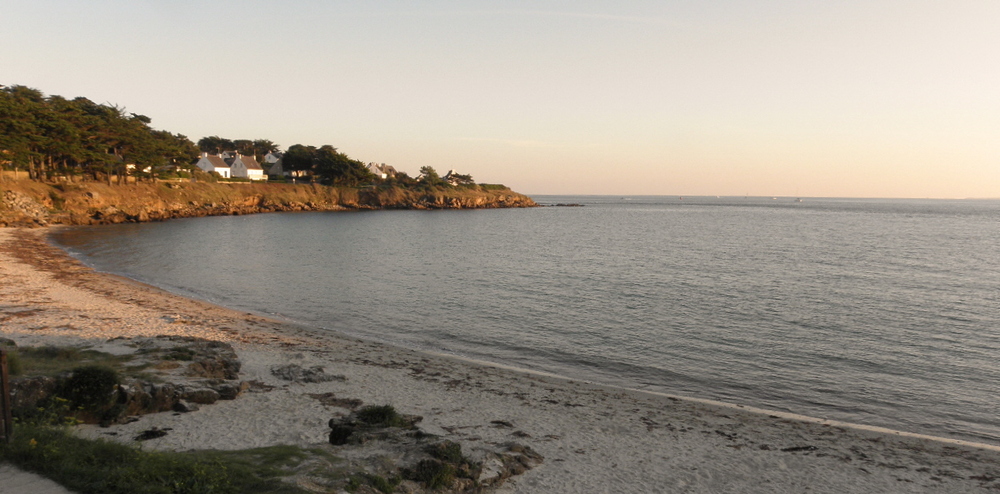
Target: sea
(882,312)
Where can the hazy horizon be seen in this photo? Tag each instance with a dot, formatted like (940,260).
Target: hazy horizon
(877,99)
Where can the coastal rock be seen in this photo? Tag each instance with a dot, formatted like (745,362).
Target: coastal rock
(371,423)
(134,396)
(139,398)
(153,433)
(32,203)
(496,466)
(183,406)
(229,390)
(28,392)
(202,396)
(23,210)
(296,373)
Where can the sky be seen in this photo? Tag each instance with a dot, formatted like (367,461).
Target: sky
(801,98)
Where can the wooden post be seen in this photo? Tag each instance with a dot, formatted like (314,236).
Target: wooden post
(6,415)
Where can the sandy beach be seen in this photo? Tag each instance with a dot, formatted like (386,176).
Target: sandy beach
(593,438)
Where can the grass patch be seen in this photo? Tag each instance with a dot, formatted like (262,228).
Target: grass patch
(98,466)
(382,484)
(14,364)
(52,361)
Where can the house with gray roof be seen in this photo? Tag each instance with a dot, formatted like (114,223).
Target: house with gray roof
(247,167)
(213,163)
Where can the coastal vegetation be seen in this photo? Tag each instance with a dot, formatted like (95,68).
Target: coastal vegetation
(56,140)
(99,466)
(84,385)
(48,137)
(74,161)
(68,386)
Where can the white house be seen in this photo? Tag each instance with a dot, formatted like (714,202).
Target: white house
(213,163)
(382,170)
(273,157)
(247,167)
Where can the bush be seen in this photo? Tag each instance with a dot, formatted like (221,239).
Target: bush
(90,388)
(448,451)
(381,415)
(434,473)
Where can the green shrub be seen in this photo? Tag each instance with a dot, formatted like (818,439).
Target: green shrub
(90,388)
(434,473)
(381,415)
(53,411)
(449,451)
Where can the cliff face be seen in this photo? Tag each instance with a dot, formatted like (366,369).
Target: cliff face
(26,203)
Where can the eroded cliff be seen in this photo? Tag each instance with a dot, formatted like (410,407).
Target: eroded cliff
(27,203)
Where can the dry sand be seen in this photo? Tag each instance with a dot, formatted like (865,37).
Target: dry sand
(593,438)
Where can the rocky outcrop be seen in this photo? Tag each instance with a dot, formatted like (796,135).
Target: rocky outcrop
(197,372)
(26,203)
(22,210)
(423,462)
(137,397)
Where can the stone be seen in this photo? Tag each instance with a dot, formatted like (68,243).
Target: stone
(491,470)
(229,391)
(151,434)
(340,434)
(28,392)
(183,406)
(202,396)
(161,397)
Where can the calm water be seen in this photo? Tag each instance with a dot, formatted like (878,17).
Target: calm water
(879,312)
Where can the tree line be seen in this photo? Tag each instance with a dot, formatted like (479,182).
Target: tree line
(51,136)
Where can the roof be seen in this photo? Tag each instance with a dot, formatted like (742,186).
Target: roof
(250,163)
(216,161)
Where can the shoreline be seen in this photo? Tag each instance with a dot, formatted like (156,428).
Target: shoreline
(27,203)
(593,437)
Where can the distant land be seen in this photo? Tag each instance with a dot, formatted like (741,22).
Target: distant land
(73,161)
